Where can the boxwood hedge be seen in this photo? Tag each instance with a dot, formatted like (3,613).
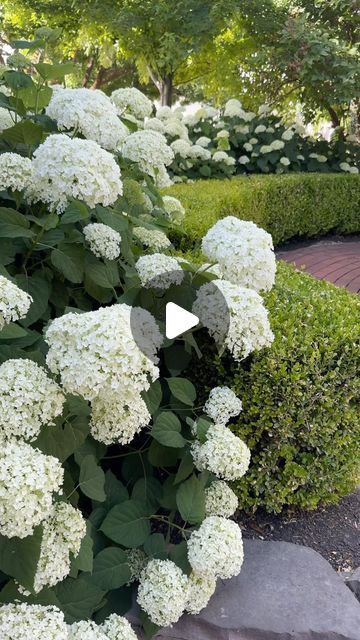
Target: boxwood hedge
(287,206)
(301,415)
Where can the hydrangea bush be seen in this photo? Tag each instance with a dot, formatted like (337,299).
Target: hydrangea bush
(112,477)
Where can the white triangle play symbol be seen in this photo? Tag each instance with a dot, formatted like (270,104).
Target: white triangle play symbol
(178,320)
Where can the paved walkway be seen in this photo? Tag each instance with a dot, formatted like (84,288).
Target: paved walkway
(334,259)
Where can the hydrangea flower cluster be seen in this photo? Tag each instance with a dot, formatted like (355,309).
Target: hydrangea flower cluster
(220,500)
(152,238)
(29,399)
(216,548)
(244,252)
(65,168)
(15,172)
(6,120)
(14,302)
(131,100)
(149,149)
(200,590)
(90,113)
(113,628)
(28,479)
(159,271)
(222,404)
(104,241)
(174,209)
(163,592)
(64,530)
(249,327)
(23,621)
(118,416)
(223,453)
(96,350)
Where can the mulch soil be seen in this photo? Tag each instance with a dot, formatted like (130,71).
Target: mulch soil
(333,531)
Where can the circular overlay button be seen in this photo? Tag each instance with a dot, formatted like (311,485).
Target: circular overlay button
(182,302)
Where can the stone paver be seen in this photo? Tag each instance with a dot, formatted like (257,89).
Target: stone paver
(336,260)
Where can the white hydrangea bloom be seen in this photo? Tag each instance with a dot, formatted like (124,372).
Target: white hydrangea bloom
(14,302)
(149,149)
(244,252)
(23,621)
(216,548)
(198,153)
(263,109)
(353,170)
(223,453)
(163,592)
(174,209)
(300,157)
(29,399)
(221,156)
(288,134)
(104,241)
(253,140)
(222,404)
(155,125)
(344,166)
(246,328)
(284,161)
(117,628)
(90,113)
(159,271)
(276,145)
(65,168)
(152,238)
(266,148)
(248,146)
(15,172)
(64,530)
(203,141)
(133,101)
(137,561)
(318,157)
(220,500)
(117,417)
(28,480)
(244,160)
(260,128)
(96,350)
(6,120)
(242,128)
(86,629)
(223,134)
(162,178)
(176,129)
(233,109)
(181,147)
(163,113)
(270,130)
(200,590)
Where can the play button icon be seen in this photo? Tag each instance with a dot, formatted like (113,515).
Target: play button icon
(178,320)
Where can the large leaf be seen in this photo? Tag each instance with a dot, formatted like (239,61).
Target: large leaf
(39,289)
(104,275)
(92,479)
(190,499)
(12,331)
(79,598)
(111,569)
(61,440)
(69,260)
(24,132)
(19,557)
(148,490)
(111,219)
(115,491)
(155,546)
(84,559)
(182,389)
(166,430)
(127,524)
(55,71)
(153,396)
(13,224)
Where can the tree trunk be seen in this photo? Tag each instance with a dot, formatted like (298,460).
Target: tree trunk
(336,122)
(88,71)
(166,90)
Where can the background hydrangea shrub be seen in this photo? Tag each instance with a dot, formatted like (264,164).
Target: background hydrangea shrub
(108,476)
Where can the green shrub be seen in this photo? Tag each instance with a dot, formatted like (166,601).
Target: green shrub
(286,206)
(300,415)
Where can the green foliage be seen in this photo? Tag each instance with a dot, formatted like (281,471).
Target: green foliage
(286,206)
(300,398)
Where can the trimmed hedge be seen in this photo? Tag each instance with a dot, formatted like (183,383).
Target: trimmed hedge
(301,415)
(287,206)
